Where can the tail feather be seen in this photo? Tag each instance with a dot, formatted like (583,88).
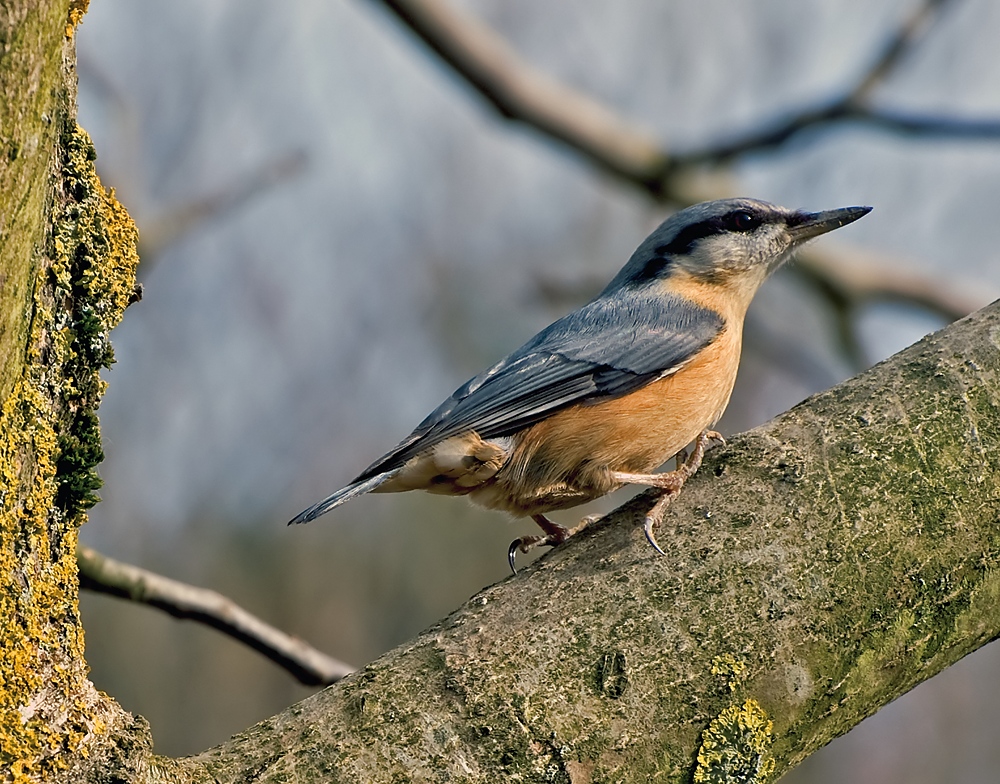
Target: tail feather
(342,496)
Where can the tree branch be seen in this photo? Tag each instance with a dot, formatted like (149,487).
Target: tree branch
(895,49)
(102,574)
(521,92)
(160,232)
(817,568)
(855,106)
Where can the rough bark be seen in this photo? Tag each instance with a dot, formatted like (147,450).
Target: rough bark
(817,568)
(67,267)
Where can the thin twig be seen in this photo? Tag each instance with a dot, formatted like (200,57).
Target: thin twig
(854,104)
(102,574)
(158,233)
(882,119)
(930,125)
(521,92)
(898,46)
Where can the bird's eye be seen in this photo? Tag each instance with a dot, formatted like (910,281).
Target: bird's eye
(742,220)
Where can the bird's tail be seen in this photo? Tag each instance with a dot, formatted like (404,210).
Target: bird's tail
(342,496)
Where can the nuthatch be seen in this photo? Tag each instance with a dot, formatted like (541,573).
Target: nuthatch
(605,395)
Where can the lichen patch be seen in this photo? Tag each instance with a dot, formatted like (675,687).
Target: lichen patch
(734,746)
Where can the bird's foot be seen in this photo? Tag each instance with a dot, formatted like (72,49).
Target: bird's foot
(554,534)
(670,482)
(687,466)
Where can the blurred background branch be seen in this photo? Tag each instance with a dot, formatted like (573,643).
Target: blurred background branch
(161,231)
(857,105)
(521,92)
(101,574)
(526,94)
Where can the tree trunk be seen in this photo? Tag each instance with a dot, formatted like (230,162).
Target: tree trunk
(816,568)
(67,271)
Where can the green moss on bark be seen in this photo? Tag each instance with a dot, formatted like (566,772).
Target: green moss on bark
(94,275)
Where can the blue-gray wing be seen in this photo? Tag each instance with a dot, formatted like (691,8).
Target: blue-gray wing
(607,348)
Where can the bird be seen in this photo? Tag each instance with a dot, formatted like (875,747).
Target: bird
(607,394)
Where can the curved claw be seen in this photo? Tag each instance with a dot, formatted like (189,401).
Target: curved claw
(715,436)
(648,529)
(511,553)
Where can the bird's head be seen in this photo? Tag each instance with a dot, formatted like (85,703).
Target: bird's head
(735,243)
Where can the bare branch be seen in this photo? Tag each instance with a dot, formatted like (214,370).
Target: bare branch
(102,574)
(854,105)
(521,92)
(895,49)
(930,125)
(159,233)
(903,123)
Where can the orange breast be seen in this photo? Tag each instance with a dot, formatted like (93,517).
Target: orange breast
(640,431)
(566,459)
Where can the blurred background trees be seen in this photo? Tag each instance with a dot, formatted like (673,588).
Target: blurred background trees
(337,231)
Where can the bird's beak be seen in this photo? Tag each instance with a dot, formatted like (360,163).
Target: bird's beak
(805,225)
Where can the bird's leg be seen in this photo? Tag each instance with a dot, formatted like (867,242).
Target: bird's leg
(670,482)
(554,534)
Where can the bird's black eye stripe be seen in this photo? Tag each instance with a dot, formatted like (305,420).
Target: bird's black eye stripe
(684,242)
(741,221)
(654,267)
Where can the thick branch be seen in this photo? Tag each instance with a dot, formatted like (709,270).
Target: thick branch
(817,568)
(102,574)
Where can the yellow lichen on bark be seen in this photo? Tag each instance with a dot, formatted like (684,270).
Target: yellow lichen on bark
(77,10)
(49,446)
(733,746)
